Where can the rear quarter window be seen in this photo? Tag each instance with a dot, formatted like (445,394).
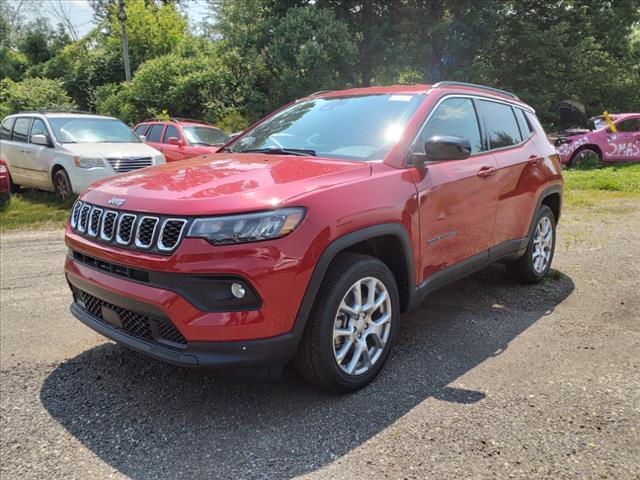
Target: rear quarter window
(5,129)
(523,124)
(501,125)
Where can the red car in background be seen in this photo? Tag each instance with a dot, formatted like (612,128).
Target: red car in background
(179,138)
(5,194)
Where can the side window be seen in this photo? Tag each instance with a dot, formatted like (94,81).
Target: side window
(5,130)
(629,125)
(525,128)
(21,129)
(140,129)
(169,132)
(38,128)
(454,116)
(500,122)
(154,133)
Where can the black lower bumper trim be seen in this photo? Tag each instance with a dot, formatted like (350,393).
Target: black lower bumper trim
(261,353)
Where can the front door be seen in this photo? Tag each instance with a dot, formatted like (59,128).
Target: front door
(624,145)
(457,198)
(36,157)
(173,152)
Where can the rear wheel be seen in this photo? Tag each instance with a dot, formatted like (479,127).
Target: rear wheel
(352,326)
(536,262)
(62,185)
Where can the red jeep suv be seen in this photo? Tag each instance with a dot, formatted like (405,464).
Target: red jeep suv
(180,138)
(309,234)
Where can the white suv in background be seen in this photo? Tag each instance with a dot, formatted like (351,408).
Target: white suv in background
(66,152)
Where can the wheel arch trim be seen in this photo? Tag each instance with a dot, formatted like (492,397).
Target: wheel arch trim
(341,244)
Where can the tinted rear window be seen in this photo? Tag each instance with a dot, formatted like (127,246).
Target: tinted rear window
(21,130)
(5,130)
(500,123)
(154,133)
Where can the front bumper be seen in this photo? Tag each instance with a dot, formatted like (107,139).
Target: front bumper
(260,353)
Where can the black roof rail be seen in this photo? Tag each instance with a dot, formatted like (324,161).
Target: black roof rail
(182,119)
(473,85)
(55,110)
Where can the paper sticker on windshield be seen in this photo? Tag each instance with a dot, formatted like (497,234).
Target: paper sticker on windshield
(400,98)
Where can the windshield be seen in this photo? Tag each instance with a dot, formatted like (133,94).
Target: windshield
(599,122)
(359,128)
(91,130)
(205,136)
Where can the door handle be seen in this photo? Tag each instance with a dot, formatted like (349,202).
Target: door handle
(533,160)
(485,172)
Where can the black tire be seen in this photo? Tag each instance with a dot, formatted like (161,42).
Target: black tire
(523,269)
(585,158)
(315,358)
(62,185)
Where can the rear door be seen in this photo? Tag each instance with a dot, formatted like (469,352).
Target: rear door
(457,199)
(519,174)
(37,158)
(154,136)
(173,152)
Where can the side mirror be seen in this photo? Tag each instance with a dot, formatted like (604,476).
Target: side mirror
(443,148)
(41,140)
(142,138)
(174,141)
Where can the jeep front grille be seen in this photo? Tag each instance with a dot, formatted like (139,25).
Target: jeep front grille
(128,229)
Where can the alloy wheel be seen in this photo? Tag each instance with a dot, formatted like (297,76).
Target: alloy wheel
(362,326)
(542,244)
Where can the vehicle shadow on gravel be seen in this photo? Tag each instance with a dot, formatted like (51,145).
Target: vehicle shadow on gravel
(151,420)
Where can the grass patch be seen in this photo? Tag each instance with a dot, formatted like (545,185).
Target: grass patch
(32,209)
(588,188)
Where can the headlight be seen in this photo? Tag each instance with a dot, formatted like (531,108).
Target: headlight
(251,227)
(83,162)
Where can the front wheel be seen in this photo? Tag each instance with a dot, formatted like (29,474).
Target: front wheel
(352,326)
(585,158)
(62,185)
(536,262)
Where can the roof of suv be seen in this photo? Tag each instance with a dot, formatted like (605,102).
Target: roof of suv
(177,120)
(424,89)
(61,114)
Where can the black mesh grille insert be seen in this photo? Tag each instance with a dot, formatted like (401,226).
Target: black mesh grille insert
(84,218)
(94,221)
(75,214)
(125,227)
(108,225)
(146,229)
(171,234)
(135,324)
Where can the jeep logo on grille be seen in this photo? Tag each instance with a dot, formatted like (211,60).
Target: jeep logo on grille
(118,202)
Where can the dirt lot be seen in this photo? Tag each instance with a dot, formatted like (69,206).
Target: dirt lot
(488,380)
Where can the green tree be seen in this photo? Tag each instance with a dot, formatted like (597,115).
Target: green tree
(32,94)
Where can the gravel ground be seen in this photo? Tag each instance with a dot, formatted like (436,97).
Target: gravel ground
(488,379)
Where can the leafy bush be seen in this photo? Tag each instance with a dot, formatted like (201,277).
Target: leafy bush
(33,94)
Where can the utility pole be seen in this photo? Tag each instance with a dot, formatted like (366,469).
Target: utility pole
(122,16)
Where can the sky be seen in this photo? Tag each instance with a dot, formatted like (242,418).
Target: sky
(81,13)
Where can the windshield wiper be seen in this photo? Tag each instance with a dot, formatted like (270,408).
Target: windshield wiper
(301,152)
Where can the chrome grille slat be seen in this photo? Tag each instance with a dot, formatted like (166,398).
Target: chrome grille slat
(94,221)
(84,218)
(130,230)
(75,213)
(124,233)
(171,233)
(146,232)
(108,225)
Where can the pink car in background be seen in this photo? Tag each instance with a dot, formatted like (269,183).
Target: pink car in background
(600,143)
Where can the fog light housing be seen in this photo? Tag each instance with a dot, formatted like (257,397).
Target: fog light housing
(238,290)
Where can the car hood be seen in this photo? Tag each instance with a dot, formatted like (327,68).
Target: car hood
(223,183)
(111,150)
